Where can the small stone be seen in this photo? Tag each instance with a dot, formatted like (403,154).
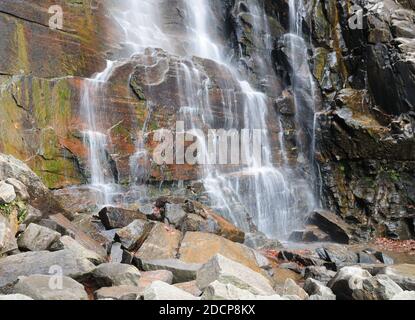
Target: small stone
(7,193)
(159,290)
(37,238)
(116,274)
(43,287)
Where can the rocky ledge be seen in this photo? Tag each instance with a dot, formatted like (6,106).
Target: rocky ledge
(171,249)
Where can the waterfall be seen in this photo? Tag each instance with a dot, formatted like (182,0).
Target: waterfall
(258,192)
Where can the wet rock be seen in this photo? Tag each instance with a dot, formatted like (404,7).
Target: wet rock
(43,263)
(14,297)
(190,287)
(182,271)
(37,238)
(197,247)
(7,193)
(332,224)
(115,274)
(19,188)
(402,274)
(161,243)
(367,258)
(8,241)
(118,293)
(68,243)
(42,287)
(291,288)
(230,272)
(258,241)
(113,217)
(162,291)
(132,236)
(310,234)
(316,288)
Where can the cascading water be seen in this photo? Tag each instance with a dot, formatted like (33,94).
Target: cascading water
(255,191)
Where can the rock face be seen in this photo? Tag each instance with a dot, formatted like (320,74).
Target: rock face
(115,274)
(7,193)
(7,236)
(227,271)
(42,287)
(132,236)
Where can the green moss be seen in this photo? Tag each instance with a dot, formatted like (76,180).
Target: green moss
(22,52)
(17,205)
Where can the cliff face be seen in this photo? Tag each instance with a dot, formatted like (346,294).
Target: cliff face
(364,95)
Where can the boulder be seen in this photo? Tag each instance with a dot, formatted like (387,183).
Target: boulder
(132,236)
(337,255)
(175,213)
(354,283)
(182,271)
(68,243)
(161,243)
(190,287)
(33,215)
(321,274)
(291,288)
(43,263)
(331,224)
(118,293)
(37,238)
(198,247)
(316,288)
(115,274)
(14,297)
(402,274)
(40,196)
(219,291)
(7,193)
(113,218)
(259,241)
(7,236)
(227,271)
(159,290)
(404,295)
(148,277)
(299,257)
(19,188)
(43,287)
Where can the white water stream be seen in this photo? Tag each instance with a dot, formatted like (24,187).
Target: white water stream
(259,190)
